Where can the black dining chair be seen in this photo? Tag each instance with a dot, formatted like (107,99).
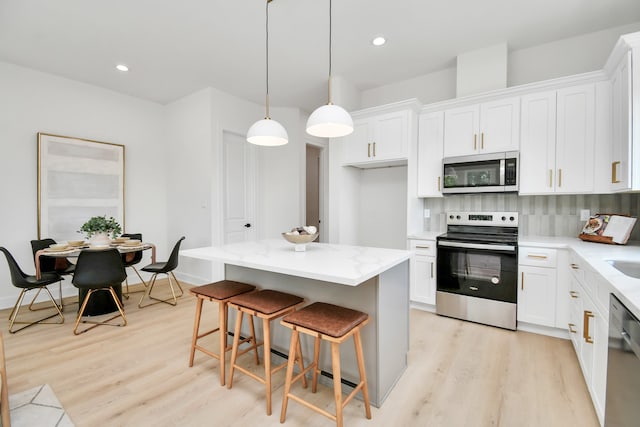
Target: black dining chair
(99,271)
(163,268)
(62,266)
(26,283)
(130,259)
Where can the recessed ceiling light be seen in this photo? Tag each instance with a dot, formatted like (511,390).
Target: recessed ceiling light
(378,41)
(122,67)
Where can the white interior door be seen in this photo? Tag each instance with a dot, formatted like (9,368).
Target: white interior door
(239,189)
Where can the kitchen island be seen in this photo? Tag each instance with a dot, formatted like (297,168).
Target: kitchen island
(372,280)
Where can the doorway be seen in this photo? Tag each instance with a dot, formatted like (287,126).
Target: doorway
(313,188)
(238,166)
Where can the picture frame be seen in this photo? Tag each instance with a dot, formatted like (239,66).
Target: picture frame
(77,179)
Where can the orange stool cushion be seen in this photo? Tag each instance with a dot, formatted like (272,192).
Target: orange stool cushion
(266,301)
(222,290)
(328,319)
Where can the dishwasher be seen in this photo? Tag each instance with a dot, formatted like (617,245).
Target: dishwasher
(623,367)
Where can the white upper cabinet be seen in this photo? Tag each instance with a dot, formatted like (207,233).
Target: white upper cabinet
(489,127)
(558,141)
(575,139)
(377,139)
(622,135)
(430,141)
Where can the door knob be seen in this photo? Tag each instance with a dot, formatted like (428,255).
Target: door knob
(247,225)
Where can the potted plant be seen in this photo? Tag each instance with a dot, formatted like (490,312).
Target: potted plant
(98,229)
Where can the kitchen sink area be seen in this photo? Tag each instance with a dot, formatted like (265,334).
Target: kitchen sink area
(629,268)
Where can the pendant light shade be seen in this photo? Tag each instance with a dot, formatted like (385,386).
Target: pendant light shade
(330,121)
(267,132)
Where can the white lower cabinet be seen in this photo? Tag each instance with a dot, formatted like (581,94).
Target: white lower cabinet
(537,285)
(423,271)
(589,327)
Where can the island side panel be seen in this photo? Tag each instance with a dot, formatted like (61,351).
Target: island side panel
(363,297)
(393,326)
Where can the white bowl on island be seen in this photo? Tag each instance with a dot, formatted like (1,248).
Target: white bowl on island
(301,238)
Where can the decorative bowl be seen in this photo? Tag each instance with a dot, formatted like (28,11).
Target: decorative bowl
(132,242)
(120,239)
(76,243)
(58,246)
(300,240)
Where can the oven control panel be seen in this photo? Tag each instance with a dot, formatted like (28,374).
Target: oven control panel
(495,219)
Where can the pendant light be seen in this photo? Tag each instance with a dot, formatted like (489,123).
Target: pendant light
(330,121)
(266,131)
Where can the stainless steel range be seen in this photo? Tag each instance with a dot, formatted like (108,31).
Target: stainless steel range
(477,268)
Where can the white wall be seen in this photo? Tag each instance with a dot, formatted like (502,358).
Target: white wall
(32,102)
(560,58)
(383,208)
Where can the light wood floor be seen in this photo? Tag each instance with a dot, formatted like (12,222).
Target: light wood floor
(459,374)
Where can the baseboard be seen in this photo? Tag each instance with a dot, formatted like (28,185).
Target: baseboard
(543,330)
(422,306)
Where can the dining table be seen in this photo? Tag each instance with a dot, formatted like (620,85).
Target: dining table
(101,303)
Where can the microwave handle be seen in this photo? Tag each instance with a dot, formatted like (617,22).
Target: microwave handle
(502,171)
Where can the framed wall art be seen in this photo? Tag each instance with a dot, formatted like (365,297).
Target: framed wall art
(77,179)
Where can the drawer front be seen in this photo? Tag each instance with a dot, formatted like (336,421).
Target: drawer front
(423,247)
(537,257)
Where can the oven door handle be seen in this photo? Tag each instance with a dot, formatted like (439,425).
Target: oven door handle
(507,248)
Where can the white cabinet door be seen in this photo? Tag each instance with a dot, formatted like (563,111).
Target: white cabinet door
(621,115)
(575,315)
(600,328)
(499,126)
(538,143)
(575,142)
(390,136)
(430,142)
(461,131)
(356,148)
(423,289)
(537,295)
(563,280)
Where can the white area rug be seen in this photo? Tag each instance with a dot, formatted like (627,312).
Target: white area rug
(38,407)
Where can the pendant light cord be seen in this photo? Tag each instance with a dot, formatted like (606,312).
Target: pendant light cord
(330,51)
(267,54)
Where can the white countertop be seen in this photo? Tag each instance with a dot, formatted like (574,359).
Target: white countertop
(425,235)
(347,265)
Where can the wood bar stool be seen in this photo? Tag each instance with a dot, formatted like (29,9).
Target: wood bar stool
(220,292)
(267,305)
(334,324)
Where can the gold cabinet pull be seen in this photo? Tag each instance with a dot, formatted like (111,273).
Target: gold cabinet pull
(585,321)
(573,294)
(482,140)
(550,177)
(369,150)
(559,177)
(522,281)
(374,149)
(422,247)
(537,256)
(571,326)
(475,140)
(574,266)
(614,172)
(439,184)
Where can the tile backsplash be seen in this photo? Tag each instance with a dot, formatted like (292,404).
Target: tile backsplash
(539,215)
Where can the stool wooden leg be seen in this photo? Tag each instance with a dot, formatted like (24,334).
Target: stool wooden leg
(337,383)
(295,343)
(300,362)
(253,340)
(267,361)
(316,369)
(234,350)
(363,373)
(222,332)
(196,328)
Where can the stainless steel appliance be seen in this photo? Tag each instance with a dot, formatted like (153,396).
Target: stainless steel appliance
(623,367)
(481,173)
(477,268)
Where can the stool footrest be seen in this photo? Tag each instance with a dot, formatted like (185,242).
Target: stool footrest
(312,406)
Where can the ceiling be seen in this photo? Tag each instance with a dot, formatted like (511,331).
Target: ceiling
(174,48)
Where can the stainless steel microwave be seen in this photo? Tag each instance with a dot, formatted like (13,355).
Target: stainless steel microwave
(481,173)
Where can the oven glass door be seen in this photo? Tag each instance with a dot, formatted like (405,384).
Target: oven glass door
(483,273)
